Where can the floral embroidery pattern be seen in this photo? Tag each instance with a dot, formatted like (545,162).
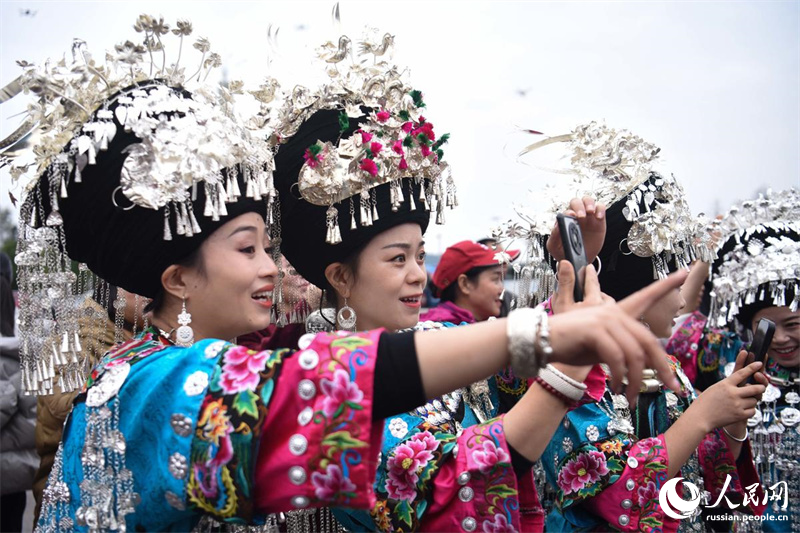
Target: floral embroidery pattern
(499,524)
(589,469)
(407,462)
(652,454)
(500,494)
(586,469)
(149,342)
(228,429)
(404,477)
(343,434)
(328,486)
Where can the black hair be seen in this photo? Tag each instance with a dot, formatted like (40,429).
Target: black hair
(6,308)
(193,260)
(449,293)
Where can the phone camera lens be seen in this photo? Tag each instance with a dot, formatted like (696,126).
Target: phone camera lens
(575,239)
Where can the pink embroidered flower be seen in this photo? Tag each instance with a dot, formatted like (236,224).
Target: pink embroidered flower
(369,166)
(407,127)
(403,164)
(365,136)
(711,445)
(499,524)
(425,150)
(329,485)
(647,493)
(383,116)
(645,445)
(404,466)
(397,147)
(338,391)
(585,469)
(488,455)
(375,148)
(240,372)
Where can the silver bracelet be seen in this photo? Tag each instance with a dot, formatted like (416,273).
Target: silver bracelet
(528,341)
(572,389)
(746,434)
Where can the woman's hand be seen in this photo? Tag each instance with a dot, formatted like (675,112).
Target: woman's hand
(611,333)
(563,299)
(730,402)
(592,221)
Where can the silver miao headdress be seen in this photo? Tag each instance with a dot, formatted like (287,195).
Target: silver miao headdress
(760,255)
(71,123)
(613,165)
(396,141)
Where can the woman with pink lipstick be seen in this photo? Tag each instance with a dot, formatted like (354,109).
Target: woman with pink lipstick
(756,277)
(443,462)
(179,423)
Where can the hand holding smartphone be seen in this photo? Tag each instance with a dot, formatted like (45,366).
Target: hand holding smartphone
(574,251)
(761,341)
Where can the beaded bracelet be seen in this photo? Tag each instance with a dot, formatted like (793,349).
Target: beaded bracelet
(573,390)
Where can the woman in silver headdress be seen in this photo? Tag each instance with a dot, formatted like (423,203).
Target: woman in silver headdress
(166,193)
(756,277)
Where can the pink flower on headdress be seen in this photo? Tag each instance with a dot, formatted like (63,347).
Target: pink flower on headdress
(331,484)
(397,147)
(489,455)
(369,166)
(365,136)
(584,470)
(338,391)
(312,159)
(425,150)
(425,128)
(375,148)
(407,127)
(403,164)
(383,116)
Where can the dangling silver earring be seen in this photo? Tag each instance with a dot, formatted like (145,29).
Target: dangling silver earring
(346,317)
(184,335)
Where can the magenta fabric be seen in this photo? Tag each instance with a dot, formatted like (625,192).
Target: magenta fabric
(320,445)
(448,312)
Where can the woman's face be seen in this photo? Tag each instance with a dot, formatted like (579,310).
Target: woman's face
(785,346)
(484,297)
(661,316)
(389,280)
(230,293)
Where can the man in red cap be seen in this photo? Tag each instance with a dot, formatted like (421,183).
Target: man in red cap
(469,279)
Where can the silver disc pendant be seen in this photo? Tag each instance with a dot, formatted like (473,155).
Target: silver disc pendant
(184,336)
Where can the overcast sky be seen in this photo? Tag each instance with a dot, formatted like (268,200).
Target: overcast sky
(715,84)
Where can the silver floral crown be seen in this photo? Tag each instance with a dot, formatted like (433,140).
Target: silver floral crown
(764,262)
(612,165)
(396,141)
(73,121)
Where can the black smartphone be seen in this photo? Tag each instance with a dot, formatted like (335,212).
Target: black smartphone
(572,239)
(761,341)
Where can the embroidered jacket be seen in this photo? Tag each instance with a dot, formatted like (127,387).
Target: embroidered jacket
(164,434)
(449,469)
(609,479)
(703,351)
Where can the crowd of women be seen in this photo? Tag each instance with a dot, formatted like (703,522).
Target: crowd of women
(271,369)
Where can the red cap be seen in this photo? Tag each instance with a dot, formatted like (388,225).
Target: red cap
(465,255)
